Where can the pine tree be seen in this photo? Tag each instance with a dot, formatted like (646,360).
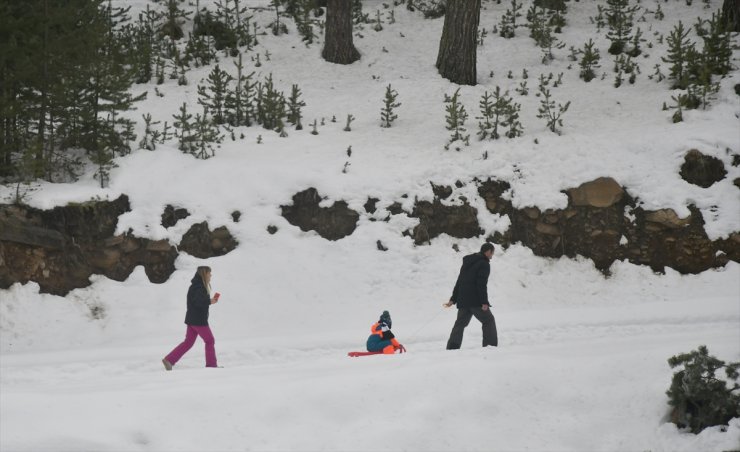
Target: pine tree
(204,136)
(491,112)
(589,61)
(271,104)
(620,17)
(508,20)
(547,110)
(700,395)
(144,44)
(542,32)
(456,117)
(295,104)
(106,93)
(151,136)
(717,45)
(498,110)
(680,52)
(387,115)
(175,17)
(184,129)
(213,96)
(238,101)
(511,120)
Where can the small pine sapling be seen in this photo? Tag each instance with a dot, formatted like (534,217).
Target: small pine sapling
(205,135)
(620,17)
(378,22)
(658,14)
(700,395)
(350,118)
(387,114)
(151,137)
(184,129)
(522,89)
(213,95)
(657,75)
(488,121)
(599,20)
(498,110)
(589,61)
(680,51)
(508,20)
(548,110)
(678,101)
(717,52)
(511,120)
(456,117)
(294,107)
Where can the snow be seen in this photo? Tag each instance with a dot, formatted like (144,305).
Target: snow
(582,361)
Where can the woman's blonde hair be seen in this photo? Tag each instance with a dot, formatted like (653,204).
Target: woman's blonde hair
(202,272)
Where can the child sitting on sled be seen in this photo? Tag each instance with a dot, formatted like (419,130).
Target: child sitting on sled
(381,338)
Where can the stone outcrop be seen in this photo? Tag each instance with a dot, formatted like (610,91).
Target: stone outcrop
(331,223)
(601,222)
(702,170)
(172,215)
(436,218)
(60,248)
(203,243)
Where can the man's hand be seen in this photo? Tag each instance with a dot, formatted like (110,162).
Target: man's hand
(484,307)
(448,304)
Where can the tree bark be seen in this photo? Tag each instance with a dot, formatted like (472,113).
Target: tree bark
(456,60)
(338,46)
(731,15)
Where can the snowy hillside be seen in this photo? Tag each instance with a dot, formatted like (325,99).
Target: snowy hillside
(581,364)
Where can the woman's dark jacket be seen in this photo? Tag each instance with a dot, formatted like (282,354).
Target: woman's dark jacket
(471,287)
(198,303)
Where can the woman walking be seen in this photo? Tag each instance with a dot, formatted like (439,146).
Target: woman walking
(196,318)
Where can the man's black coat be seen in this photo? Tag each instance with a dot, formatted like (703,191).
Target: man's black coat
(471,287)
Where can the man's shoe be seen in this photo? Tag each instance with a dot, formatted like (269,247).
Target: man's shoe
(167,364)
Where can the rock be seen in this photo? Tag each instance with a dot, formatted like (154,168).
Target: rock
(331,223)
(702,170)
(442,191)
(602,192)
(492,192)
(172,215)
(667,218)
(532,213)
(436,218)
(547,229)
(370,205)
(200,242)
(60,248)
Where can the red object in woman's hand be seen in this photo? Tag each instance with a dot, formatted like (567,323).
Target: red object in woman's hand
(216,296)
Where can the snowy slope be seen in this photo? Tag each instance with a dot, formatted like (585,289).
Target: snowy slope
(582,359)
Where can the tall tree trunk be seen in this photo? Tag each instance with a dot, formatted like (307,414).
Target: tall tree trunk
(456,60)
(731,14)
(39,158)
(338,46)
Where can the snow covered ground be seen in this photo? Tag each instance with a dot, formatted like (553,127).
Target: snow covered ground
(581,364)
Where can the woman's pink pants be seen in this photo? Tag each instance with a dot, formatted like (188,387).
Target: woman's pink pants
(190,335)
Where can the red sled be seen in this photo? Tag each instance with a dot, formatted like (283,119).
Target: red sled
(356,354)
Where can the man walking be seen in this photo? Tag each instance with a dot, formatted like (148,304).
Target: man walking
(471,297)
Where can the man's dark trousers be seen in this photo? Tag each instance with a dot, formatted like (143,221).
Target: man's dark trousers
(488,323)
